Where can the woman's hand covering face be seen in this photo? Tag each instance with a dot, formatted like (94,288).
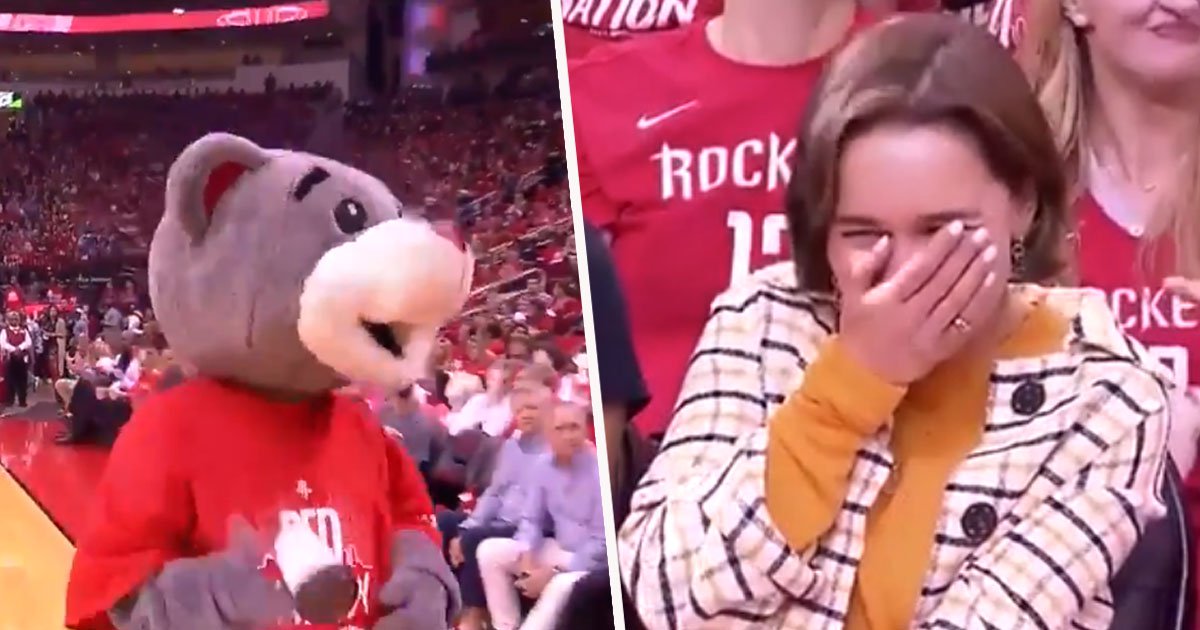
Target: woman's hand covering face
(903,325)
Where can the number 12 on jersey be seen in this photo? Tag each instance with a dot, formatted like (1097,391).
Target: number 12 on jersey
(754,239)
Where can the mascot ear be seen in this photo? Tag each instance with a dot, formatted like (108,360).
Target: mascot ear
(203,173)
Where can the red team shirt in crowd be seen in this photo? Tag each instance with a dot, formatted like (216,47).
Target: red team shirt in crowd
(592,23)
(1112,259)
(180,471)
(684,157)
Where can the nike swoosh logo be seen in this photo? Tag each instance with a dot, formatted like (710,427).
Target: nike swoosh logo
(646,122)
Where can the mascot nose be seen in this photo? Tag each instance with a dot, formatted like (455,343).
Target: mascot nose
(449,231)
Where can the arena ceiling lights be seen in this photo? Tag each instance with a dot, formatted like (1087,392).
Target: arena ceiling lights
(174,20)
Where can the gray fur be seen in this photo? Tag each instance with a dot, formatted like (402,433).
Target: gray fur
(246,267)
(222,590)
(227,287)
(416,600)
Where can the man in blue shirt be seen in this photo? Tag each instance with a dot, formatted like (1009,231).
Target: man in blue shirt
(565,494)
(623,394)
(500,509)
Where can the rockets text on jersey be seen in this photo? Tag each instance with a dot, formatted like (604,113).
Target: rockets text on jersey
(613,18)
(763,164)
(1115,261)
(1142,309)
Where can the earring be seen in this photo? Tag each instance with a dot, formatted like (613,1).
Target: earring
(1074,14)
(1017,256)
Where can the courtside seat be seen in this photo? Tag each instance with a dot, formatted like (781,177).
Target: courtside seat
(1155,588)
(450,468)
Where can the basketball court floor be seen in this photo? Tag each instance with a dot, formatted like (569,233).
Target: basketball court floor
(44,493)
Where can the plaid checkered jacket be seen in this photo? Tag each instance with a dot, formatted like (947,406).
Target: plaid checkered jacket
(1069,483)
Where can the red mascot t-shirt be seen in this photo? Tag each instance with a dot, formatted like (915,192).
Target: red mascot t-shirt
(196,455)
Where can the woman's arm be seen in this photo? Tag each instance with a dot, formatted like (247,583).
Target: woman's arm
(702,545)
(1052,568)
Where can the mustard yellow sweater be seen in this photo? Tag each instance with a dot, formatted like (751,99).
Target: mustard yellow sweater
(937,421)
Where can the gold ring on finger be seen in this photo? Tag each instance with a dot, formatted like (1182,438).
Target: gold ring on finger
(960,324)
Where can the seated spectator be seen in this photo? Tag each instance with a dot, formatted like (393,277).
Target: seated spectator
(541,374)
(126,370)
(97,399)
(402,413)
(499,510)
(92,419)
(491,410)
(460,388)
(518,347)
(623,396)
(564,492)
(77,362)
(979,453)
(546,353)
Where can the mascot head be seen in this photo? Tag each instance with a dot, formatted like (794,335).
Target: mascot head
(292,273)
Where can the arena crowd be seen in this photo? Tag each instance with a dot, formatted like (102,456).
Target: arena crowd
(847,398)
(507,389)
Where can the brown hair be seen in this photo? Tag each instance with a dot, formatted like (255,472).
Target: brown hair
(920,70)
(539,373)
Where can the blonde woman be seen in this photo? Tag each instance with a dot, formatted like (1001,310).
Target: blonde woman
(1120,82)
(900,429)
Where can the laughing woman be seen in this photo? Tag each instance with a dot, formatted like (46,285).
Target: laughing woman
(901,428)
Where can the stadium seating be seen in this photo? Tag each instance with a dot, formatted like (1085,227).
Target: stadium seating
(87,193)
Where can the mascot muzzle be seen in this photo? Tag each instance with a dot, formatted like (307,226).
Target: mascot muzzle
(371,307)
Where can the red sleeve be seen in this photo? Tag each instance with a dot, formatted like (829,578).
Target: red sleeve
(598,209)
(141,514)
(411,506)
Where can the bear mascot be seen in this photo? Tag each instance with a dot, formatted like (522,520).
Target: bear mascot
(252,495)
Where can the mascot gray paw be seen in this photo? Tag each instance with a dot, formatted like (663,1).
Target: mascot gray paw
(226,589)
(422,592)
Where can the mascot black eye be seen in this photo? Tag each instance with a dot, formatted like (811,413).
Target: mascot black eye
(350,216)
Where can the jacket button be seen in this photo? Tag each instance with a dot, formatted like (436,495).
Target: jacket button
(1028,398)
(978,522)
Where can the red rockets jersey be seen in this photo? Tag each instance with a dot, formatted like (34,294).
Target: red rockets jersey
(1112,259)
(196,455)
(685,166)
(591,23)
